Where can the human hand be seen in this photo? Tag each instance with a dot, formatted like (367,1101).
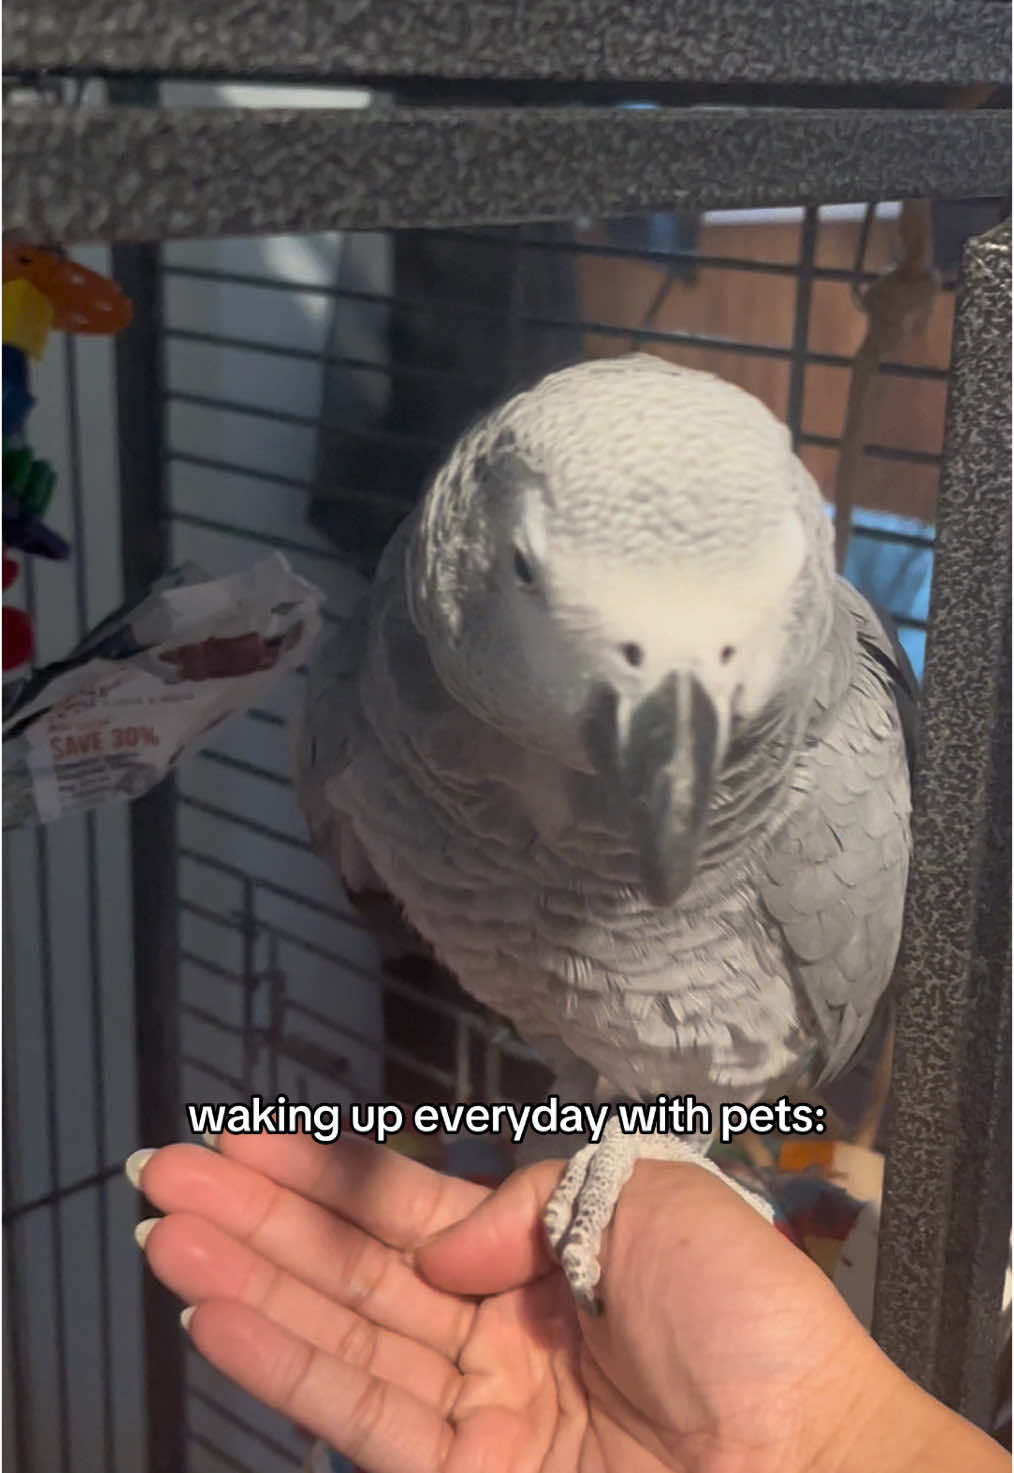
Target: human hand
(321,1288)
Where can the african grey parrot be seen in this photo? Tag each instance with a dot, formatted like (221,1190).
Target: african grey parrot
(627,752)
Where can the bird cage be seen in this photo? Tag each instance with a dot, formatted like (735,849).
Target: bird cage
(343,236)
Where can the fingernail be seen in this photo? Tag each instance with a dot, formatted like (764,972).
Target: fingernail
(135,1164)
(187,1315)
(143,1228)
(210,1139)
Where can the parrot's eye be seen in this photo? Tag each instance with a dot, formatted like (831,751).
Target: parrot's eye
(523,569)
(727,654)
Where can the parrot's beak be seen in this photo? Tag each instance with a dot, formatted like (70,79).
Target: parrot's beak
(666,764)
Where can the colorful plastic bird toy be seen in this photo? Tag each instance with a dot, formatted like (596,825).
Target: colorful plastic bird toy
(41,291)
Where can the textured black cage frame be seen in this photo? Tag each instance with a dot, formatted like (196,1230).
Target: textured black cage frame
(847,103)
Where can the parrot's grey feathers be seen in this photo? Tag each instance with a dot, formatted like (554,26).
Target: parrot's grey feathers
(887,650)
(624,750)
(836,874)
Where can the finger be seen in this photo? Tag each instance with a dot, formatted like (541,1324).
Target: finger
(501,1244)
(198,1261)
(339,1260)
(394,1199)
(381,1427)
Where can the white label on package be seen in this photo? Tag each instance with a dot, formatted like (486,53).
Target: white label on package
(117,737)
(112,740)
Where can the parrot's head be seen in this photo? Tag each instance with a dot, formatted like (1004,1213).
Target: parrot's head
(624,567)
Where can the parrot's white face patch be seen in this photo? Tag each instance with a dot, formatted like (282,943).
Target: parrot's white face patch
(718,621)
(702,593)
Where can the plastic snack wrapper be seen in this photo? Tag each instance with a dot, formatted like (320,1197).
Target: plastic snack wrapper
(146,688)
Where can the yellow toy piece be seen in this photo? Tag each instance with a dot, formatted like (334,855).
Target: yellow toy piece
(27,317)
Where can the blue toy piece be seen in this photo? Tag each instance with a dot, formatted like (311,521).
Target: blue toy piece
(17,399)
(27,482)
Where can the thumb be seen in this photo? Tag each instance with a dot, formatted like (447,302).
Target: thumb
(499,1245)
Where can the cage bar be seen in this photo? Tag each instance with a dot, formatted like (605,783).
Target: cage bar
(583,40)
(946,1219)
(118,174)
(145,529)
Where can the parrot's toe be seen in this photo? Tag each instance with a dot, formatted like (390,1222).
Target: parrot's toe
(559,1212)
(752,1199)
(693,1150)
(581,1208)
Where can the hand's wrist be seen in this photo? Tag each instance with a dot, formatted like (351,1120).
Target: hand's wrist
(892,1425)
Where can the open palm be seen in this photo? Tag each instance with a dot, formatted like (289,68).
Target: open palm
(323,1291)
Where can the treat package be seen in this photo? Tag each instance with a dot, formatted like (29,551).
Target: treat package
(145,689)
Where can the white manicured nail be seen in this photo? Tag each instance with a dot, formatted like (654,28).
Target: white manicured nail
(187,1315)
(135,1164)
(143,1228)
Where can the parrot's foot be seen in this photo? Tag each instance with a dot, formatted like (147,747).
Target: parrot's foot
(580,1209)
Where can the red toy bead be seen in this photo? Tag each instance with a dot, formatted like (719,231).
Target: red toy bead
(17,639)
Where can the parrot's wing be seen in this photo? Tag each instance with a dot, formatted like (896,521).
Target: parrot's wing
(325,740)
(835,878)
(879,638)
(329,736)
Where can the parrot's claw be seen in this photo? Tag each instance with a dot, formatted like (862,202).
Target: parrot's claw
(581,1208)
